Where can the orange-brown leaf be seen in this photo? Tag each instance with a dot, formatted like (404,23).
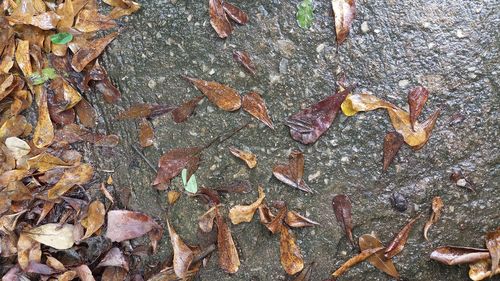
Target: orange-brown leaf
(294,219)
(247,156)
(146,133)
(224,97)
(290,256)
(171,163)
(291,174)
(355,260)
(92,21)
(416,100)
(392,143)
(44,130)
(183,255)
(86,114)
(181,113)
(398,242)
(75,176)
(235,13)
(368,241)
(344,12)
(218,19)
(437,206)
(493,245)
(244,59)
(91,51)
(94,219)
(244,213)
(255,105)
(229,260)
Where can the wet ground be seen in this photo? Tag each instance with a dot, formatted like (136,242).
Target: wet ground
(450,47)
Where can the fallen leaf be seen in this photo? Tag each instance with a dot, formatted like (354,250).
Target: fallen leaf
(78,175)
(305,14)
(183,255)
(113,273)
(67,276)
(309,124)
(392,143)
(223,96)
(254,104)
(275,225)
(416,100)
(244,59)
(237,186)
(27,250)
(218,19)
(173,196)
(94,219)
(125,225)
(64,96)
(44,21)
(17,147)
(39,268)
(291,174)
(54,235)
(146,133)
(235,13)
(244,213)
(8,222)
(181,113)
(451,255)
(265,215)
(55,264)
(91,21)
(44,130)
(86,114)
(206,221)
(398,242)
(294,219)
(171,163)
(247,156)
(122,8)
(189,185)
(343,212)
(45,161)
(229,260)
(144,110)
(355,260)
(368,241)
(480,270)
(493,245)
(114,258)
(437,206)
(290,256)
(91,51)
(84,273)
(306,273)
(344,12)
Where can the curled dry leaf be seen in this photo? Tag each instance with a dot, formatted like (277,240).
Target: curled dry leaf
(344,12)
(78,175)
(416,100)
(398,242)
(309,124)
(244,213)
(291,174)
(91,51)
(94,219)
(392,143)
(125,225)
(53,235)
(183,255)
(146,133)
(265,215)
(415,137)
(368,241)
(276,221)
(235,13)
(244,59)
(122,8)
(294,219)
(181,113)
(437,206)
(247,156)
(218,18)
(224,97)
(290,256)
(144,110)
(115,258)
(481,270)
(206,221)
(171,163)
(493,245)
(254,104)
(451,255)
(355,260)
(343,212)
(229,260)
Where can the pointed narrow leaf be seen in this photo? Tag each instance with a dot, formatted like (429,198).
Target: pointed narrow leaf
(218,19)
(451,255)
(247,156)
(343,212)
(254,104)
(294,219)
(368,241)
(355,260)
(290,256)
(344,12)
(183,255)
(229,260)
(235,13)
(291,174)
(392,143)
(181,113)
(244,59)
(398,242)
(416,100)
(223,96)
(437,206)
(94,219)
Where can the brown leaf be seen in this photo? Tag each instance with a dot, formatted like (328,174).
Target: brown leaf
(437,206)
(122,8)
(206,221)
(342,207)
(355,260)
(44,21)
(244,59)
(392,143)
(91,51)
(229,260)
(171,163)
(125,225)
(64,95)
(86,114)
(8,222)
(265,215)
(84,273)
(306,273)
(294,219)
(398,242)
(27,250)
(451,255)
(416,99)
(173,196)
(44,130)
(218,19)
(146,133)
(493,245)
(244,213)
(235,13)
(344,12)
(67,14)
(113,273)
(181,113)
(45,161)
(223,96)
(275,225)
(144,110)
(290,256)
(292,173)
(94,219)
(481,270)
(255,105)
(55,264)
(91,21)
(114,258)
(368,241)
(237,186)
(75,176)
(247,156)
(183,255)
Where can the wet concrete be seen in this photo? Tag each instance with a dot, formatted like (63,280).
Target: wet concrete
(450,47)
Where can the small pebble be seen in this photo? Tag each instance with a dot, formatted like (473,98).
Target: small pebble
(364,27)
(151,84)
(460,34)
(399,202)
(461,182)
(403,83)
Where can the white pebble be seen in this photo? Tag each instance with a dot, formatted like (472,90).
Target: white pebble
(151,84)
(461,182)
(403,83)
(364,27)
(460,34)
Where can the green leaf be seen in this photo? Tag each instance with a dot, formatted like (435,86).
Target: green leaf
(191,185)
(61,38)
(38,78)
(305,14)
(49,73)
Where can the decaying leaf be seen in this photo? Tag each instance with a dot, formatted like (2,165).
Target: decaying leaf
(45,21)
(144,110)
(481,270)
(244,59)
(493,245)
(229,259)
(290,256)
(173,196)
(247,156)
(451,255)
(94,219)
(416,100)
(84,273)
(398,242)
(92,21)
(125,225)
(171,163)
(437,206)
(17,147)
(218,19)
(275,222)
(146,133)
(291,174)
(181,113)
(27,250)
(114,258)
(91,51)
(294,219)
(244,213)
(344,12)
(223,96)
(54,235)
(343,212)
(355,260)
(122,8)
(183,255)
(44,130)
(309,124)
(78,175)
(235,13)
(368,241)
(254,104)
(206,221)
(392,143)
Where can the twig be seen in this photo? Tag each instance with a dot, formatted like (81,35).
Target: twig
(144,158)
